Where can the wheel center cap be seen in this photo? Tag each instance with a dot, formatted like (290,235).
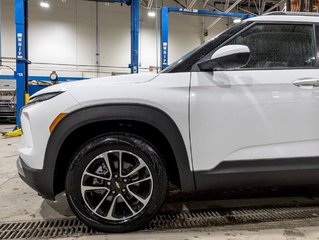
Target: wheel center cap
(117,185)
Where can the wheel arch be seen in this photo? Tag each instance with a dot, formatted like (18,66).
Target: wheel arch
(112,117)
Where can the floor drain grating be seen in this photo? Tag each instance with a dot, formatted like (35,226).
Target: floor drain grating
(44,229)
(204,218)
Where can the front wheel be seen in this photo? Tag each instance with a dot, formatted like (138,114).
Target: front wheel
(116,183)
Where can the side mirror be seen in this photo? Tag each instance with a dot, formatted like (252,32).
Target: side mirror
(227,57)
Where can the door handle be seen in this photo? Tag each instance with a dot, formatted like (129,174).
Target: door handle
(307,82)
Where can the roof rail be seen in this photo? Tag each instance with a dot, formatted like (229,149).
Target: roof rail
(309,14)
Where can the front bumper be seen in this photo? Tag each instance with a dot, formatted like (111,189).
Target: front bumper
(39,180)
(35,122)
(33,167)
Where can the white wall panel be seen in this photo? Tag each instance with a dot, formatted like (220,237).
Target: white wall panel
(65,34)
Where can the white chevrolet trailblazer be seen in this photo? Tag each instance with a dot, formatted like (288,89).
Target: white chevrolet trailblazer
(241,110)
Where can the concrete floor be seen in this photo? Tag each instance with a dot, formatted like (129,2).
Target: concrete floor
(18,202)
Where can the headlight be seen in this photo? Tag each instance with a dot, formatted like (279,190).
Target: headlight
(42,97)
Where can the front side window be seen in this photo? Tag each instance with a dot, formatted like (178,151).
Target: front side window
(279,46)
(185,63)
(317,43)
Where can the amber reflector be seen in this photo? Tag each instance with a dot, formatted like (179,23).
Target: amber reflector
(56,121)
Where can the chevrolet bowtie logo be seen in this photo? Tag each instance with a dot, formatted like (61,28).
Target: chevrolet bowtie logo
(117,185)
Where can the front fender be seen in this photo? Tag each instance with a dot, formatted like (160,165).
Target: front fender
(131,112)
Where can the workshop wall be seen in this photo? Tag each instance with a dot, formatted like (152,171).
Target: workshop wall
(65,35)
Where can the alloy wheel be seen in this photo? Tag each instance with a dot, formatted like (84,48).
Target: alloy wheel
(116,185)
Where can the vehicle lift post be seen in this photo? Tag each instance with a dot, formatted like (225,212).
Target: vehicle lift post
(135,28)
(21,73)
(164,25)
(21,22)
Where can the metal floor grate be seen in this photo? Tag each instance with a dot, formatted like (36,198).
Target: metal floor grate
(44,229)
(73,227)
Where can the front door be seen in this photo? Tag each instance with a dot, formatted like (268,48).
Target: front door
(267,110)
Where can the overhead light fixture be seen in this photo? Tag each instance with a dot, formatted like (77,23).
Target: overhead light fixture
(44,4)
(237,20)
(151,13)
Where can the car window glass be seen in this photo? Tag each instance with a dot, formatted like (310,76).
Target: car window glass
(279,46)
(186,63)
(317,44)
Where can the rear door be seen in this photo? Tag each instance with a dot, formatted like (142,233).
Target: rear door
(240,119)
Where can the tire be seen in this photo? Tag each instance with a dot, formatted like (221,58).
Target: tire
(96,195)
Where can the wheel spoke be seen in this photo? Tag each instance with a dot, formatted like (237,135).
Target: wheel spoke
(142,200)
(107,162)
(120,163)
(96,176)
(111,209)
(128,205)
(102,201)
(139,181)
(139,167)
(92,188)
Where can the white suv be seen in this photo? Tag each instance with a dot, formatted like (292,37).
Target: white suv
(241,110)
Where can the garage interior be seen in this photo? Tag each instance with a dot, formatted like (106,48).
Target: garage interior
(72,40)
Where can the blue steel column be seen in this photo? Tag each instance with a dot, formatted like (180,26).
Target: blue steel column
(135,27)
(164,37)
(164,25)
(21,20)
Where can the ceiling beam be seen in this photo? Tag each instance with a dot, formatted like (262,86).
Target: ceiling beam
(255,3)
(263,5)
(149,4)
(226,4)
(191,4)
(205,3)
(246,11)
(227,10)
(214,8)
(275,6)
(179,3)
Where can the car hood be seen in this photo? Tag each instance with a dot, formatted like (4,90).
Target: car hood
(111,81)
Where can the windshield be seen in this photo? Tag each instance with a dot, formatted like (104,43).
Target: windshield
(185,63)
